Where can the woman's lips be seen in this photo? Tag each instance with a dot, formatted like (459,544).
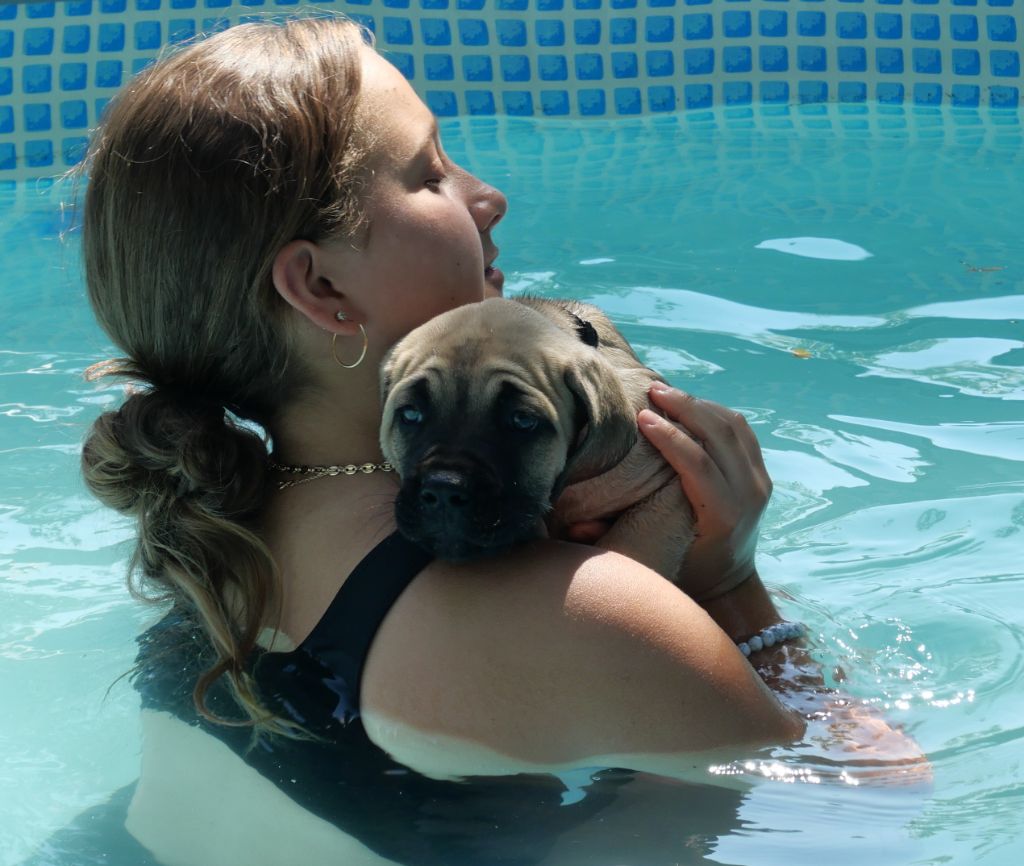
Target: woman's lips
(494,277)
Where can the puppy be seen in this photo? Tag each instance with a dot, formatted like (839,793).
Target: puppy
(501,415)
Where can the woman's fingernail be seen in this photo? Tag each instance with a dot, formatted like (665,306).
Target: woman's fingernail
(661,387)
(648,419)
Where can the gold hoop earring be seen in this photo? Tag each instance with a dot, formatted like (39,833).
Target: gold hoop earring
(362,354)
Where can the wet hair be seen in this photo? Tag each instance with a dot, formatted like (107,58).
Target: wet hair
(205,165)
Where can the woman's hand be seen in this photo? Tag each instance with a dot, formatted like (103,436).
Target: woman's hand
(723,475)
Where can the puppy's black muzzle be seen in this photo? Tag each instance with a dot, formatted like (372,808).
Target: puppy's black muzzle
(457,507)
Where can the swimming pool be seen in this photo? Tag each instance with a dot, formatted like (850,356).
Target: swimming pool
(883,374)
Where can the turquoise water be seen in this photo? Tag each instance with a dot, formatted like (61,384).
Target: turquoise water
(886,391)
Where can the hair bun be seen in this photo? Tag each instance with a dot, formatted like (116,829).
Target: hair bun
(163,445)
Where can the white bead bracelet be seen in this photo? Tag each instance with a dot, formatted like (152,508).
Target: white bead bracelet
(772,635)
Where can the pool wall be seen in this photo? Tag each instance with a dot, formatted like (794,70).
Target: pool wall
(61,62)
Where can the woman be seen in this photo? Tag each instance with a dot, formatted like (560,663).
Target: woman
(267,213)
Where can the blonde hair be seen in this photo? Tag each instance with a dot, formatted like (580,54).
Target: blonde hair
(203,168)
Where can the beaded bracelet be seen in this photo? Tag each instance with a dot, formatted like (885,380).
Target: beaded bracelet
(772,635)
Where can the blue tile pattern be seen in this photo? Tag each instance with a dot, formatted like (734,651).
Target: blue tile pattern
(60,62)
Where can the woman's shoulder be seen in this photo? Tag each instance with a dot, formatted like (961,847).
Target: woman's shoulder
(557,655)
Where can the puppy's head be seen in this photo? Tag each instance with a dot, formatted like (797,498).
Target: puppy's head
(489,412)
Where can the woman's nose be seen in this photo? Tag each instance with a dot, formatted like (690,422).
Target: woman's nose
(487,204)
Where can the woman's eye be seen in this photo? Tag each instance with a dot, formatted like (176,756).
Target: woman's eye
(410,415)
(524,421)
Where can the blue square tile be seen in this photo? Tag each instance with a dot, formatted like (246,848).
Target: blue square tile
(180,30)
(965,2)
(889,93)
(1005,64)
(403,62)
(147,5)
(76,39)
(514,5)
(73,149)
(397,31)
(888,26)
(550,5)
(963,28)
(554,103)
(7,158)
(6,119)
(8,11)
(811,58)
(623,4)
(73,114)
(966,61)
(773,58)
(853,91)
(852,58)
(736,25)
(472,5)
(140,63)
(73,76)
(442,103)
(927,94)
(698,96)
(771,23)
(439,67)
(737,59)
(851,25)
(587,31)
(589,67)
(656,4)
(925,27)
(660,28)
(699,61)
(965,95)
(812,92)
(37,117)
(550,33)
(472,31)
(515,67)
(697,27)
(1002,28)
(6,43)
(109,73)
(110,37)
(40,10)
(660,64)
(78,7)
(586,4)
(434,4)
(889,61)
(591,102)
(395,4)
(435,31)
(38,41)
(219,25)
(810,23)
(477,67)
(1000,2)
(101,106)
(480,102)
(1004,97)
(661,97)
(183,4)
(37,78)
(147,35)
(6,80)
(624,64)
(216,4)
(927,61)
(737,93)
(518,103)
(623,31)
(39,154)
(511,32)
(627,101)
(552,67)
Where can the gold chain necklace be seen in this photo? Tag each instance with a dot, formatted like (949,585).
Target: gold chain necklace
(311,473)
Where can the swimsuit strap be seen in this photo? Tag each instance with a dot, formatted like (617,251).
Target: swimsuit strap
(343,636)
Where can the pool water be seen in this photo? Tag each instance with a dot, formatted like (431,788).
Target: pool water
(857,289)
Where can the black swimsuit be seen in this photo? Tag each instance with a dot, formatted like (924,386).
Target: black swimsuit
(346,779)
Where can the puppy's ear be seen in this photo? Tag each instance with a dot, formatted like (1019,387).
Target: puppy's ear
(605,421)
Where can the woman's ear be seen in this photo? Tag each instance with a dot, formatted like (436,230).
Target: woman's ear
(303,276)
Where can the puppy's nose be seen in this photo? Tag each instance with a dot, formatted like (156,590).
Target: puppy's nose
(444,489)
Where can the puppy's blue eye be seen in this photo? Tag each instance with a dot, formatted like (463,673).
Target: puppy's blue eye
(410,415)
(524,421)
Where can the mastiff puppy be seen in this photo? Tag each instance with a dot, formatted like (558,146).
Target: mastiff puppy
(506,415)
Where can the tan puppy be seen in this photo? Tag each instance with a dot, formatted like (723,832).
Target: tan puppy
(506,413)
